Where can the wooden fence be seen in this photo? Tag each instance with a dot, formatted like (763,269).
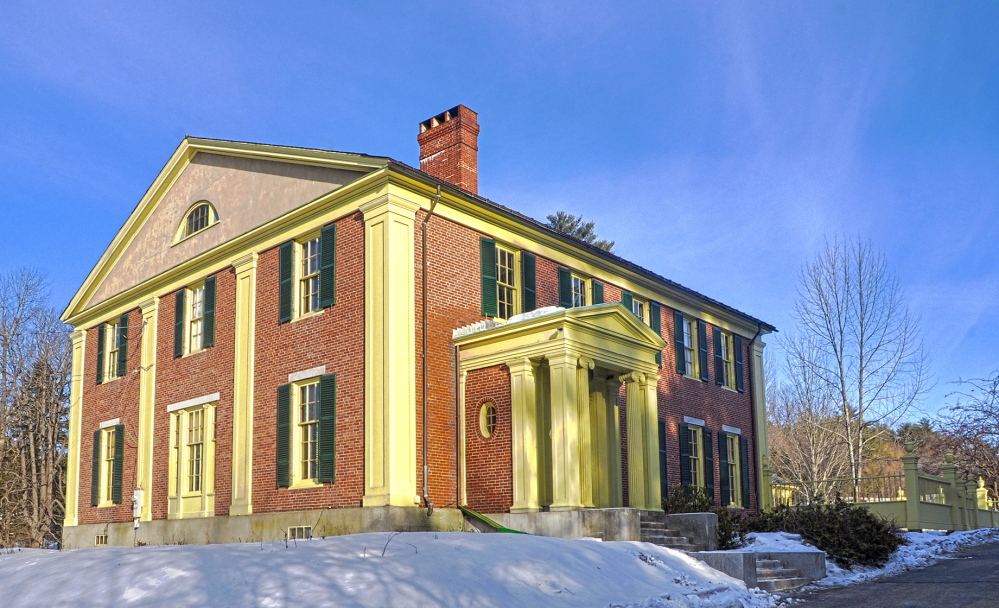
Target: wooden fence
(914,500)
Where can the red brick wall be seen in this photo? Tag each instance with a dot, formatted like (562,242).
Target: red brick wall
(118,398)
(202,373)
(334,338)
(490,480)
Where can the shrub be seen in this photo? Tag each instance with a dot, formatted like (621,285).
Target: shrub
(731,529)
(686,500)
(849,534)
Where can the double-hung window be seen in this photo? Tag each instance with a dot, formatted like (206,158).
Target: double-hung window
(106,474)
(690,347)
(192,462)
(724,359)
(309,255)
(579,291)
(111,339)
(734,466)
(196,319)
(640,308)
(506,282)
(697,464)
(307,434)
(695,439)
(108,438)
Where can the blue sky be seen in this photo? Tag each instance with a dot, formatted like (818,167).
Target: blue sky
(718,143)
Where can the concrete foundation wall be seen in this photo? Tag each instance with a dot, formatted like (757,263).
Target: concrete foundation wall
(266,526)
(606,524)
(700,528)
(810,564)
(737,565)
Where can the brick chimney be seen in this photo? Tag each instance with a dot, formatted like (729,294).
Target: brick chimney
(449,147)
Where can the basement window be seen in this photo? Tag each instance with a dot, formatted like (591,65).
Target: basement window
(299,532)
(101,540)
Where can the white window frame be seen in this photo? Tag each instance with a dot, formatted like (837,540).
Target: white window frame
(298,430)
(512,286)
(728,360)
(734,470)
(108,439)
(640,308)
(697,470)
(190,319)
(179,489)
(300,276)
(111,350)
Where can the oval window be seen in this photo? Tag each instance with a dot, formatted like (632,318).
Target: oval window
(487,419)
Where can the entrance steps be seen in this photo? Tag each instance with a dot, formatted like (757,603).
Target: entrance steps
(653,530)
(772,576)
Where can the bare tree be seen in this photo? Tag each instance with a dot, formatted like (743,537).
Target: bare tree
(973,428)
(34,398)
(859,340)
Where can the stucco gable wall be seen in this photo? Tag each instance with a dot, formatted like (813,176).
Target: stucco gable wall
(246,193)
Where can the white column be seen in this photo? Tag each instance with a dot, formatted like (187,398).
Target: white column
(389,353)
(565,432)
(147,400)
(525,445)
(242,396)
(79,338)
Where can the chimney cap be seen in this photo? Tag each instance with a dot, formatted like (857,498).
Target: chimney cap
(458,111)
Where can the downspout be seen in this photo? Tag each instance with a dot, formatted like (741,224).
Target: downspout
(752,422)
(426,430)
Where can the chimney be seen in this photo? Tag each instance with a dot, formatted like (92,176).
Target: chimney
(449,147)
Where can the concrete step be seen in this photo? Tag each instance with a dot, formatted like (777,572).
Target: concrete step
(660,525)
(774,573)
(669,541)
(781,584)
(768,563)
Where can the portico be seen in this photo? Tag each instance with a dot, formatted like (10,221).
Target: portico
(567,369)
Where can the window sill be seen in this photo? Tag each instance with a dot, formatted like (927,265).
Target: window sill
(728,388)
(110,380)
(105,505)
(194,352)
(305,485)
(194,234)
(308,315)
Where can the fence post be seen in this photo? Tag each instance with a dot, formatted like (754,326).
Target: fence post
(970,488)
(983,495)
(949,471)
(910,463)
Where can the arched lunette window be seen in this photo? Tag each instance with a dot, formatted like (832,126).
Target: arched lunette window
(199,217)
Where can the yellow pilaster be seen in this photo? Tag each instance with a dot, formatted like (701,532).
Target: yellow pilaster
(242,401)
(462,485)
(637,439)
(600,451)
(389,357)
(565,432)
(586,460)
(525,446)
(614,440)
(75,415)
(762,463)
(147,400)
(650,402)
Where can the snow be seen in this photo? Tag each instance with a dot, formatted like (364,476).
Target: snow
(380,569)
(924,549)
(774,542)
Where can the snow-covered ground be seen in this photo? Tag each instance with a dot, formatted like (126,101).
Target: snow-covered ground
(377,570)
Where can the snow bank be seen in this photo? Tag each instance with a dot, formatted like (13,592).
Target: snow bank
(924,549)
(774,542)
(399,570)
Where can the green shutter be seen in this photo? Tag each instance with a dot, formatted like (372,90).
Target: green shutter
(709,465)
(101,330)
(178,324)
(122,363)
(716,335)
(327,429)
(681,359)
(327,267)
(740,383)
(663,482)
(565,288)
(285,278)
(656,323)
(284,436)
(208,331)
(529,280)
(95,472)
(744,467)
(702,349)
(487,267)
(598,292)
(723,479)
(119,463)
(628,300)
(685,474)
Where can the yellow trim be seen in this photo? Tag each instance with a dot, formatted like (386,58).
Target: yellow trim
(762,447)
(298,257)
(517,302)
(734,478)
(242,398)
(183,503)
(484,419)
(297,480)
(389,352)
(108,437)
(79,341)
(697,474)
(147,401)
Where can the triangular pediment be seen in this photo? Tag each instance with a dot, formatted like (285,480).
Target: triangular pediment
(247,184)
(615,318)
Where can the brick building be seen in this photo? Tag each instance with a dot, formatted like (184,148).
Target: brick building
(283,341)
